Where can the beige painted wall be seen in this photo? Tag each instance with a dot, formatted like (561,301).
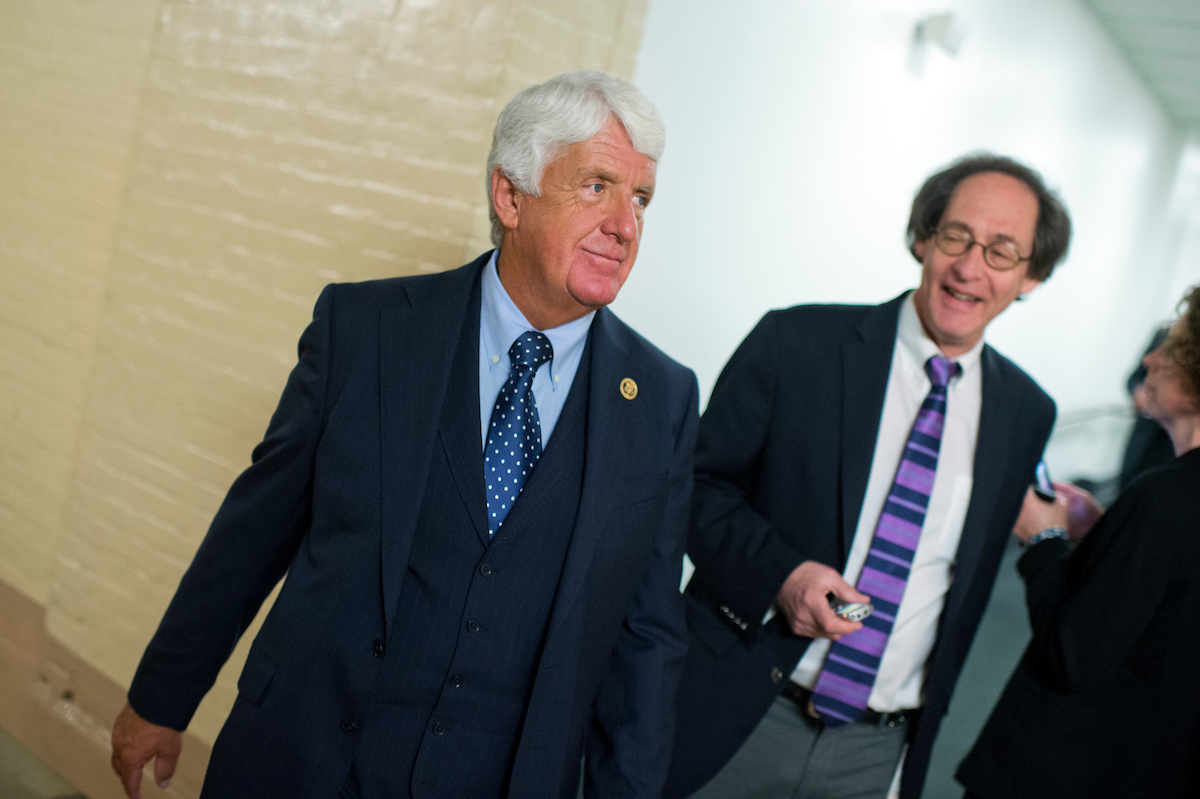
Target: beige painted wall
(181,179)
(70,81)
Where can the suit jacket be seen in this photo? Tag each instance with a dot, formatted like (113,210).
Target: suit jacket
(782,462)
(331,499)
(1105,700)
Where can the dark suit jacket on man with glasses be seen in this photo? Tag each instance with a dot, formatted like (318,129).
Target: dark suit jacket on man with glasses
(803,435)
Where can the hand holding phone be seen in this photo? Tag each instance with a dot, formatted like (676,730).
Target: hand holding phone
(850,611)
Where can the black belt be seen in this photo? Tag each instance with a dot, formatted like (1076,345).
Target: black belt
(803,699)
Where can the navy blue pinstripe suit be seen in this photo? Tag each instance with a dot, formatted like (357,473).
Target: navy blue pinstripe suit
(368,481)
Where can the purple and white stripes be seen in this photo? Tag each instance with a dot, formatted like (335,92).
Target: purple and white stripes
(844,686)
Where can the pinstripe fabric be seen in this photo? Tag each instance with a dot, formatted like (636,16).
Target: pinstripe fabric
(472,613)
(842,690)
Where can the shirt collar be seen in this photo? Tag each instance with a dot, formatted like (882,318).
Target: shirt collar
(911,335)
(501,322)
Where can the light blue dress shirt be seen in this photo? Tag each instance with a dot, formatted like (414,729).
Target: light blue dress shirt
(500,323)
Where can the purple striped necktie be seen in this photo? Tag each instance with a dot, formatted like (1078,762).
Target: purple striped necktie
(842,690)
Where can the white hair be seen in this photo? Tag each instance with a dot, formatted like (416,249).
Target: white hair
(542,120)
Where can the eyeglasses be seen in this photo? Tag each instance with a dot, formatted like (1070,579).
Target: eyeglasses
(999,255)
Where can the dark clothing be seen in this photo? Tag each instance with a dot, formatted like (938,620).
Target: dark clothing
(472,613)
(1148,446)
(782,464)
(368,492)
(1105,701)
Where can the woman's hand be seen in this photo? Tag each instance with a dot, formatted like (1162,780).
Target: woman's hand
(1083,511)
(1038,514)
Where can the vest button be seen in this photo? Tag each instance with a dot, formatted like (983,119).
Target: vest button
(456,680)
(377,648)
(485,569)
(473,626)
(349,727)
(439,728)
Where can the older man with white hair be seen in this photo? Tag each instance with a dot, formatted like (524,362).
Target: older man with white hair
(477,485)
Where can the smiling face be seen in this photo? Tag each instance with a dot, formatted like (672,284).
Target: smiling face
(568,251)
(960,294)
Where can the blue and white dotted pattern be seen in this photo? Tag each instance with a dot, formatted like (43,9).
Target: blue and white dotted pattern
(514,441)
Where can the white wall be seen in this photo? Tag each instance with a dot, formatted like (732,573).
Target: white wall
(1182,226)
(798,132)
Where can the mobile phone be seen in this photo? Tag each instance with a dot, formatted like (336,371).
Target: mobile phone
(850,611)
(1042,485)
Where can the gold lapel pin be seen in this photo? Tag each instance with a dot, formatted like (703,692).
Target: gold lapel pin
(628,388)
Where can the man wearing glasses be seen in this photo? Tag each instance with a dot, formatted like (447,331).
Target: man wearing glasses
(862,454)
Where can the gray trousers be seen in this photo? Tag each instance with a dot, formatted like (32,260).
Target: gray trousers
(791,756)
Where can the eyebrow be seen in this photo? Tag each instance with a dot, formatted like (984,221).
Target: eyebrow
(606,176)
(609,177)
(999,236)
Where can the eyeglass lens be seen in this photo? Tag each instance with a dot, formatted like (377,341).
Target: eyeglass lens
(998,254)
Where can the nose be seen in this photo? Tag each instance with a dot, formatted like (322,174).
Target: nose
(1151,358)
(622,219)
(971,263)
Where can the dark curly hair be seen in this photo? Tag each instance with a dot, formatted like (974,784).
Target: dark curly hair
(1053,231)
(1182,347)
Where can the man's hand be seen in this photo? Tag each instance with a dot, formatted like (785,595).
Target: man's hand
(802,601)
(135,742)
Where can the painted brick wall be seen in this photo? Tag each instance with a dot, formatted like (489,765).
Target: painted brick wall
(70,79)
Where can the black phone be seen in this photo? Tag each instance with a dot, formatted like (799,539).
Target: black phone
(1042,485)
(850,611)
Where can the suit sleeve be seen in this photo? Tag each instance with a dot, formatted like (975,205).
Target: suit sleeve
(248,548)
(1088,608)
(633,725)
(740,558)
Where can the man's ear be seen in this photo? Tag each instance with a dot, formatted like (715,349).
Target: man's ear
(1028,284)
(919,248)
(505,199)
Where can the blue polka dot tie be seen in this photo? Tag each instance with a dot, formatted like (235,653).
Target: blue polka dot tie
(514,441)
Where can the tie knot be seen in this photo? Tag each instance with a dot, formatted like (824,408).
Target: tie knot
(941,370)
(531,349)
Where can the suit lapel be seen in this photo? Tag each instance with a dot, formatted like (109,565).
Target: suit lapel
(416,348)
(997,418)
(866,364)
(459,428)
(608,434)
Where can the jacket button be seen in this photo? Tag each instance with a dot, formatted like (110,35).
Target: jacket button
(485,569)
(349,727)
(456,680)
(377,648)
(473,626)
(439,728)
(776,675)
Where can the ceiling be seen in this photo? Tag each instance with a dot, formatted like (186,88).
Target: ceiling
(1162,39)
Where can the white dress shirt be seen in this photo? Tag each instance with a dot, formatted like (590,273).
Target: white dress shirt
(500,324)
(902,669)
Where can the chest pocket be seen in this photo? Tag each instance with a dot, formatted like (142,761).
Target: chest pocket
(639,502)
